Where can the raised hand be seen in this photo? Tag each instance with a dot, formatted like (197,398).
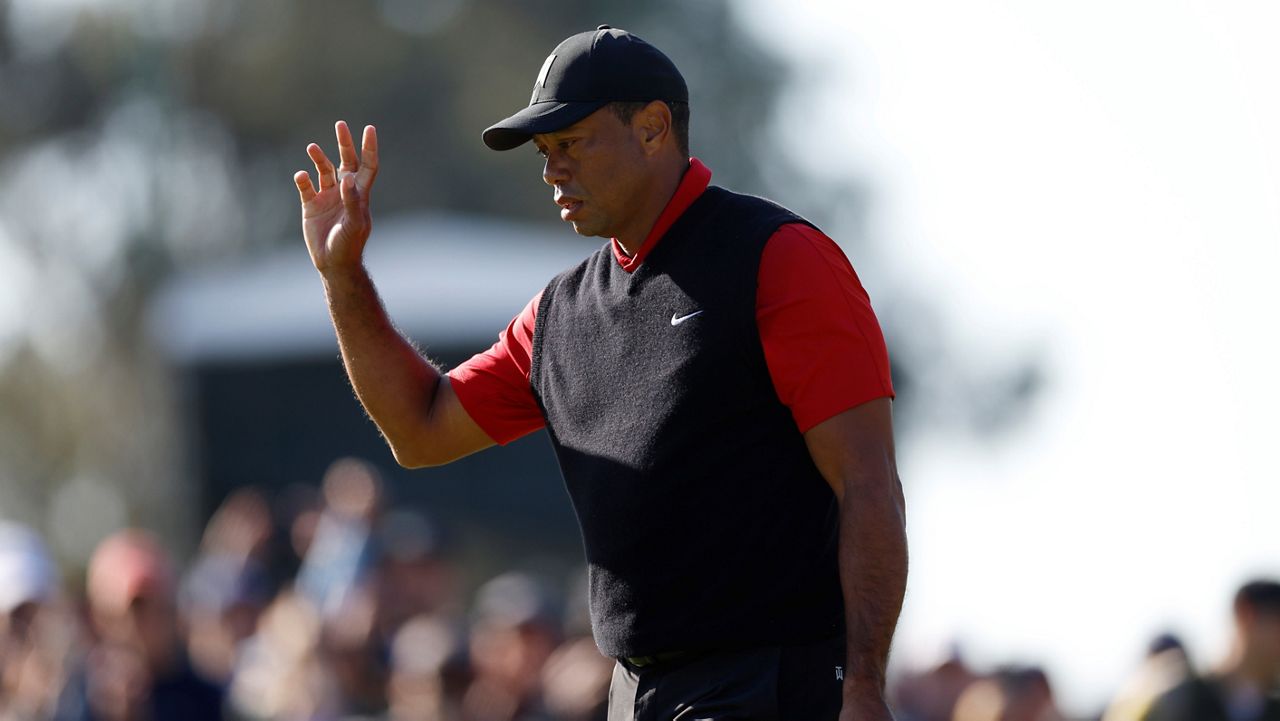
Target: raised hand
(335,218)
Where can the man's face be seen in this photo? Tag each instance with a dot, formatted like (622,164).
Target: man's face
(597,167)
(147,624)
(1264,632)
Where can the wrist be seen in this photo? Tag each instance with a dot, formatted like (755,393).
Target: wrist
(863,687)
(337,275)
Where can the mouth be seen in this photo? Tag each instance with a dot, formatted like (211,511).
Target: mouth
(569,207)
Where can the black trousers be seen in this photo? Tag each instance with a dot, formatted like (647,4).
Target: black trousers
(777,683)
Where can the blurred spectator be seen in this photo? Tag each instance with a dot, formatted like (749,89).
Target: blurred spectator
(282,672)
(1166,665)
(1009,694)
(138,669)
(1245,686)
(37,634)
(931,695)
(516,628)
(28,576)
(297,511)
(356,657)
(222,597)
(240,528)
(576,680)
(413,577)
(341,550)
(427,672)
(338,578)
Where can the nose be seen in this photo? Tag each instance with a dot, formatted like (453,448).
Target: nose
(554,171)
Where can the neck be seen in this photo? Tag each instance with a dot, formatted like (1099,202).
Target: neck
(653,200)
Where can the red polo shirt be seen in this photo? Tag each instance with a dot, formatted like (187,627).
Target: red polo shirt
(821,340)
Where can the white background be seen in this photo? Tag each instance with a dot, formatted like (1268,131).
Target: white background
(1102,178)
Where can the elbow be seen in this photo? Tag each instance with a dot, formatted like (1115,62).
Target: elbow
(417,459)
(408,459)
(416,455)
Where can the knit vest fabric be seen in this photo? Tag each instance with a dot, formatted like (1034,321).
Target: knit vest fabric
(706,524)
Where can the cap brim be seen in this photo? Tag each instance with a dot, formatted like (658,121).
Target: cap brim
(545,117)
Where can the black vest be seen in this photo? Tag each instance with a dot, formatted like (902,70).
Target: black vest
(705,523)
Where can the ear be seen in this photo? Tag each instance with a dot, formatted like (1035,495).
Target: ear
(653,126)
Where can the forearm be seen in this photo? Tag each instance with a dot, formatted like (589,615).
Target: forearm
(873,575)
(395,383)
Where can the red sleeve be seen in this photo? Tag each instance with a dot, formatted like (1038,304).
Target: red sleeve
(821,339)
(493,386)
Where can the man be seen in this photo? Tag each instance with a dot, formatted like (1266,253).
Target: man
(1246,687)
(1165,666)
(138,667)
(37,631)
(713,381)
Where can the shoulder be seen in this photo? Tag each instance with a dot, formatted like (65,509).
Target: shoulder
(799,260)
(756,205)
(736,227)
(802,238)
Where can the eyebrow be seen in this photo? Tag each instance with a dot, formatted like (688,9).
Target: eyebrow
(575,128)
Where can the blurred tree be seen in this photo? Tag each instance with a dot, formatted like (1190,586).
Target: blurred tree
(432,79)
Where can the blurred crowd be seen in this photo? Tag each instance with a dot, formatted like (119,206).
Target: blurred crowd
(319,604)
(1166,686)
(326,604)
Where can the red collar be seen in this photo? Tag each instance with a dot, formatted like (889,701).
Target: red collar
(691,186)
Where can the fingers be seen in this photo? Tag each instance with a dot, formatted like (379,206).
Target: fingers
(368,159)
(306,191)
(346,148)
(324,168)
(364,167)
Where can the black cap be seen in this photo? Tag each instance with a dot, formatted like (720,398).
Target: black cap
(583,74)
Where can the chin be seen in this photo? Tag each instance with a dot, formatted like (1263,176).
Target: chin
(586,230)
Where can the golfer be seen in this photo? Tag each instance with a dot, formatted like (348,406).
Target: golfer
(713,380)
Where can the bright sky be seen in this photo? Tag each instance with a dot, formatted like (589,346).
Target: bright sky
(1103,176)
